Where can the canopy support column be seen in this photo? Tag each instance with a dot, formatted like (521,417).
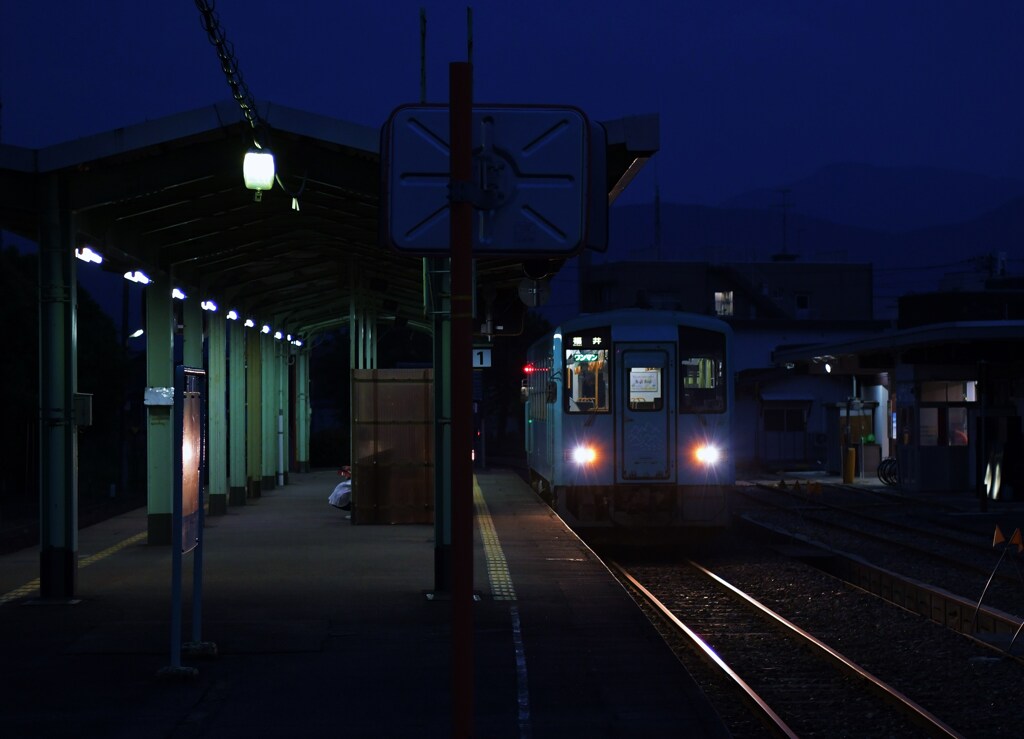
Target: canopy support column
(217,431)
(58,442)
(236,413)
(159,408)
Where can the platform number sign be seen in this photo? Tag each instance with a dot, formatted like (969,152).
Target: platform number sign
(481,357)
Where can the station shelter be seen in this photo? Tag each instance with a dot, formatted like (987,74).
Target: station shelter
(239,282)
(944,400)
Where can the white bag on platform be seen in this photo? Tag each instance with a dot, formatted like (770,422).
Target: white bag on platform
(341,497)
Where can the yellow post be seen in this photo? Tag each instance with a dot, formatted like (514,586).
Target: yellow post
(849,464)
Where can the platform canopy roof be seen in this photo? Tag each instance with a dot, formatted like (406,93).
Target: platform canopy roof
(167,195)
(964,343)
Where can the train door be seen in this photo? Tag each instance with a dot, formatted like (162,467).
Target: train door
(646,435)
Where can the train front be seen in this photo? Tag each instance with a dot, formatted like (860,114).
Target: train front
(645,416)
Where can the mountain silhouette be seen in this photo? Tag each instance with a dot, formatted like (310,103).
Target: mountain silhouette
(946,255)
(885,198)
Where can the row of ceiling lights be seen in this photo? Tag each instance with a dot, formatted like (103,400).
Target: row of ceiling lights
(88,255)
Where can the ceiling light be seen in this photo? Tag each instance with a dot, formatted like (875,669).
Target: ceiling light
(88,255)
(258,169)
(232,315)
(137,276)
(249,323)
(266,329)
(208,305)
(177,294)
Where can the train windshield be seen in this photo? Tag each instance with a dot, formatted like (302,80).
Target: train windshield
(586,372)
(702,387)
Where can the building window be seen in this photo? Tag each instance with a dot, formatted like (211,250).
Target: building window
(956,426)
(944,426)
(782,420)
(803,305)
(929,423)
(723,303)
(949,392)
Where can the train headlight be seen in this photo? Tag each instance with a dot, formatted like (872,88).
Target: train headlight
(708,454)
(583,455)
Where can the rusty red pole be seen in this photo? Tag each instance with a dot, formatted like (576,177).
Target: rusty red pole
(460,79)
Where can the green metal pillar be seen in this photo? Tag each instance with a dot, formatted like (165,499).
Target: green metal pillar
(268,405)
(284,381)
(192,332)
(367,333)
(280,442)
(437,278)
(353,363)
(253,415)
(236,413)
(302,410)
(159,407)
(58,443)
(217,417)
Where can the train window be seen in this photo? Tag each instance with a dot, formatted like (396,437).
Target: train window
(645,391)
(702,386)
(586,380)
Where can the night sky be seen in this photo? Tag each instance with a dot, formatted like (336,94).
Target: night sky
(751,93)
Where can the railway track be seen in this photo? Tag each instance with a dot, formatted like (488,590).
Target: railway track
(914,523)
(926,552)
(797,684)
(793,682)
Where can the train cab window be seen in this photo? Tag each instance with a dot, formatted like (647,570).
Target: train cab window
(702,386)
(645,389)
(586,380)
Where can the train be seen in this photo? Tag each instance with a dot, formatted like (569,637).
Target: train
(628,420)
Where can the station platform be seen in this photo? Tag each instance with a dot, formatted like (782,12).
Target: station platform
(324,628)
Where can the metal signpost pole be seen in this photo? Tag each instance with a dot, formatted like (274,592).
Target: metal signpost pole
(197,647)
(176,669)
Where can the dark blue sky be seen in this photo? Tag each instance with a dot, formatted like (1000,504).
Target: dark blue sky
(751,92)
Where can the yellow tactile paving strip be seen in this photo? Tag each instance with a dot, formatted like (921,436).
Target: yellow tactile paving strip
(497,567)
(32,586)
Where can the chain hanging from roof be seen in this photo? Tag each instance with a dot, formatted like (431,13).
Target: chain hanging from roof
(239,90)
(229,66)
